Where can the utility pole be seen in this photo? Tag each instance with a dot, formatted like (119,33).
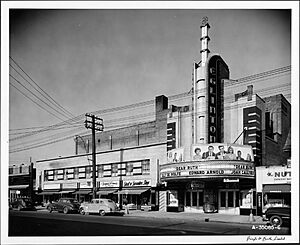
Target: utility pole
(95,123)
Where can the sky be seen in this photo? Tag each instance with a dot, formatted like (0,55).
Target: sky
(89,60)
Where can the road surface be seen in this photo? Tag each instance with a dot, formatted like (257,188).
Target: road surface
(33,223)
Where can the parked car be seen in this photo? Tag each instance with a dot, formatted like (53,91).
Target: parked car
(278,216)
(22,204)
(100,206)
(65,205)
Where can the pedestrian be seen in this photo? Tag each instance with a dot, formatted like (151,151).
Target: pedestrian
(125,203)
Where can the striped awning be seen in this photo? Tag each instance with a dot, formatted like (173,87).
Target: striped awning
(277,188)
(133,191)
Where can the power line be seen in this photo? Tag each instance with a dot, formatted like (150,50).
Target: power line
(41,88)
(35,102)
(133,106)
(63,112)
(37,96)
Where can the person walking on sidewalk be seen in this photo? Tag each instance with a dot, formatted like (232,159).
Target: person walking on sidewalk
(125,202)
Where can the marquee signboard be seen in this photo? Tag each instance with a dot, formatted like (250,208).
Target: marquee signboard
(218,169)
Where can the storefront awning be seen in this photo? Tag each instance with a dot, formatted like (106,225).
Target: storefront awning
(83,192)
(66,191)
(48,193)
(277,188)
(106,191)
(18,187)
(133,191)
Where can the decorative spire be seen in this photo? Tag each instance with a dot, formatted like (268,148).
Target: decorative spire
(204,40)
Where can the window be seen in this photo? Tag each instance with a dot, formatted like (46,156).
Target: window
(60,174)
(100,170)
(11,170)
(70,173)
(146,167)
(129,168)
(48,175)
(114,169)
(81,173)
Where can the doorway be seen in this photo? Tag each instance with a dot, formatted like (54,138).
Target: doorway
(229,201)
(193,201)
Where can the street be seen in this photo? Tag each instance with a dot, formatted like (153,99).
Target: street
(33,223)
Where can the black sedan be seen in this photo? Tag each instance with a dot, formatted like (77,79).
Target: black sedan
(22,204)
(278,216)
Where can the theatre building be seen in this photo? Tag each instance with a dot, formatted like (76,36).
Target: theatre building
(127,162)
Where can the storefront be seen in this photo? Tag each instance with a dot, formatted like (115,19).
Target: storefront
(209,186)
(273,184)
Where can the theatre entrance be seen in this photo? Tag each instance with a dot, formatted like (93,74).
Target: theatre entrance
(229,201)
(193,201)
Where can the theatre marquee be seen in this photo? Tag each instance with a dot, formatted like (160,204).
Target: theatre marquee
(208,169)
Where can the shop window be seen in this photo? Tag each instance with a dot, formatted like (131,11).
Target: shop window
(10,170)
(146,167)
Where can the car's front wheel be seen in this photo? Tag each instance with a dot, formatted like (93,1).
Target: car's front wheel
(101,212)
(276,220)
(49,209)
(81,211)
(66,210)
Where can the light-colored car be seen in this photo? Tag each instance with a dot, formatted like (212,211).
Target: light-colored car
(100,206)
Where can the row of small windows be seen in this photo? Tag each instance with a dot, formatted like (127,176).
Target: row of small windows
(103,170)
(22,169)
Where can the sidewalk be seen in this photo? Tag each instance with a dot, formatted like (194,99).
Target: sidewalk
(203,217)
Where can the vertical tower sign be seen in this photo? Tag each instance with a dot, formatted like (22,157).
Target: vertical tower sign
(208,97)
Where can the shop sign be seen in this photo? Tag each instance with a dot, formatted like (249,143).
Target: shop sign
(87,184)
(109,184)
(132,183)
(200,170)
(273,175)
(51,186)
(231,180)
(196,185)
(72,185)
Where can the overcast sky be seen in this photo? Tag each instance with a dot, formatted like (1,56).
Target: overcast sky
(89,60)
